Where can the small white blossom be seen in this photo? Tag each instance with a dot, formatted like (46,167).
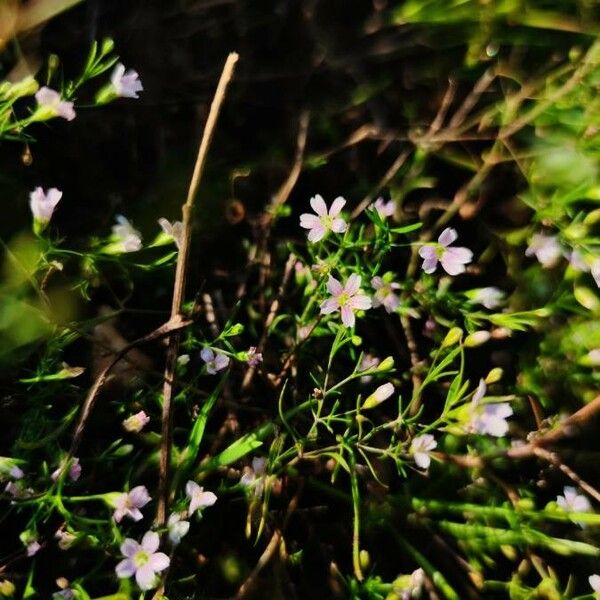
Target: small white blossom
(545,248)
(421,447)
(346,298)
(488,419)
(135,423)
(323,221)
(126,84)
(183,360)
(215,361)
(198,497)
(51,99)
(142,560)
(177,528)
(254,477)
(384,294)
(42,206)
(490,297)
(453,259)
(129,238)
(128,504)
(571,501)
(173,230)
(594,581)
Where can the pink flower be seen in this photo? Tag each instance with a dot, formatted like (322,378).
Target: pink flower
(129,504)
(323,221)
(74,470)
(384,209)
(33,548)
(453,259)
(546,249)
(142,560)
(198,497)
(173,230)
(253,358)
(48,98)
(215,361)
(490,297)
(384,294)
(571,501)
(135,423)
(42,205)
(126,84)
(346,299)
(488,419)
(420,448)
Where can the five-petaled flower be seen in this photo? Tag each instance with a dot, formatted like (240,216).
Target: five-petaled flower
(142,560)
(384,294)
(546,249)
(384,209)
(126,84)
(323,221)
(128,504)
(198,497)
(215,361)
(346,298)
(420,448)
(51,100)
(571,501)
(488,419)
(135,423)
(173,230)
(129,238)
(42,206)
(453,259)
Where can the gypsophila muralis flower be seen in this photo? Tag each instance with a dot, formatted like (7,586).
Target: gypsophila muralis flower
(490,297)
(43,205)
(546,249)
(129,238)
(571,501)
(177,528)
(142,560)
(126,84)
(254,477)
(323,221)
(347,299)
(488,419)
(198,497)
(420,448)
(51,100)
(384,294)
(253,358)
(594,581)
(128,504)
(74,470)
(215,361)
(452,259)
(384,209)
(135,423)
(173,230)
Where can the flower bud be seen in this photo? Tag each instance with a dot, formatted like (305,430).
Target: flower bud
(383,392)
(477,339)
(387,364)
(7,588)
(494,376)
(452,337)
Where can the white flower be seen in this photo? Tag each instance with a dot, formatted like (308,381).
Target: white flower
(420,448)
(198,497)
(594,581)
(254,477)
(383,392)
(215,361)
(177,528)
(126,84)
(490,297)
(347,299)
(42,206)
(571,501)
(50,99)
(546,249)
(135,423)
(384,294)
(74,470)
(173,230)
(129,504)
(384,209)
(142,560)
(488,419)
(128,237)
(453,260)
(323,221)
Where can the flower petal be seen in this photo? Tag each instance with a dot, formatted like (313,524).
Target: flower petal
(126,568)
(353,284)
(448,236)
(129,547)
(150,542)
(317,233)
(348,318)
(336,207)
(318,205)
(339,225)
(430,265)
(360,302)
(145,577)
(334,287)
(159,561)
(308,220)
(330,305)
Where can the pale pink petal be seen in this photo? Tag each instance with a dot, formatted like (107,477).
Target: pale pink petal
(353,284)
(145,577)
(207,355)
(129,547)
(150,542)
(336,207)
(339,226)
(334,287)
(422,460)
(47,97)
(66,111)
(318,205)
(581,504)
(348,318)
(453,260)
(427,252)
(159,561)
(134,513)
(53,197)
(377,283)
(308,221)
(139,496)
(191,489)
(359,302)
(448,236)
(596,271)
(317,233)
(126,568)
(328,306)
(430,265)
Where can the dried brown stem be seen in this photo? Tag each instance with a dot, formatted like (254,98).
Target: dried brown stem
(179,289)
